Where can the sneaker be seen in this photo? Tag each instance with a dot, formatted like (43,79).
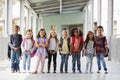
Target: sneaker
(54,71)
(91,72)
(48,72)
(66,71)
(79,71)
(98,71)
(73,71)
(106,72)
(61,71)
(12,71)
(34,72)
(23,71)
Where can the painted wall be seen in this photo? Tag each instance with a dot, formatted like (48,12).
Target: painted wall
(63,19)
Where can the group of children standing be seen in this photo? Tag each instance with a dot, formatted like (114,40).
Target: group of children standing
(48,47)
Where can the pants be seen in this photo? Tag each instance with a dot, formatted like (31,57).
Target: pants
(26,60)
(40,59)
(64,60)
(89,62)
(15,55)
(54,60)
(76,58)
(100,58)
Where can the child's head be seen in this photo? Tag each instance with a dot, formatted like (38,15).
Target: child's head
(29,34)
(90,35)
(53,33)
(64,32)
(75,32)
(100,30)
(41,33)
(16,29)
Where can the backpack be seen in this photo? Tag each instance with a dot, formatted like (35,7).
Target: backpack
(34,51)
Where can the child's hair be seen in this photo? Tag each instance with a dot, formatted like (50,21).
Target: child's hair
(38,35)
(87,38)
(80,32)
(64,29)
(51,37)
(72,32)
(100,27)
(17,26)
(29,30)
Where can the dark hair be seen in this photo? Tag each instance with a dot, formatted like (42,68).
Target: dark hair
(87,39)
(72,31)
(100,27)
(51,37)
(29,30)
(80,32)
(17,26)
(64,29)
(38,35)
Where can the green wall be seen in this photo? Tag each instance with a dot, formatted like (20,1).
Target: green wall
(63,19)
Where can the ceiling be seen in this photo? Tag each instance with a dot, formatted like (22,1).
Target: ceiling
(50,7)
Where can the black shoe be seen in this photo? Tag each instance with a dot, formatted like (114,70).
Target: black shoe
(106,72)
(61,71)
(54,71)
(73,71)
(66,72)
(48,72)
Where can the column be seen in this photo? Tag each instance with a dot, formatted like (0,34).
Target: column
(29,19)
(86,22)
(22,17)
(34,27)
(8,17)
(110,24)
(99,13)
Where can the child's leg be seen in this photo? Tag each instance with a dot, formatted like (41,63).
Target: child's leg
(98,61)
(54,61)
(49,61)
(42,60)
(62,62)
(24,61)
(88,60)
(28,61)
(73,61)
(78,62)
(103,62)
(17,60)
(91,62)
(12,61)
(37,62)
(66,62)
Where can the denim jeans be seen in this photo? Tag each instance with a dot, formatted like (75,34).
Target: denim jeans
(76,57)
(64,60)
(100,58)
(89,62)
(15,55)
(26,61)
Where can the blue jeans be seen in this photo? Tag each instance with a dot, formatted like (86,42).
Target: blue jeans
(26,60)
(89,62)
(64,60)
(100,57)
(15,55)
(76,57)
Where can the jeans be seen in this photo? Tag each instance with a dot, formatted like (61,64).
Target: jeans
(76,57)
(89,62)
(64,60)
(26,60)
(15,55)
(100,58)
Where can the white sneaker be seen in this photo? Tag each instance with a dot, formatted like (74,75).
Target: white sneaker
(24,71)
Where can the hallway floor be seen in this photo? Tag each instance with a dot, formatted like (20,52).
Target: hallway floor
(113,72)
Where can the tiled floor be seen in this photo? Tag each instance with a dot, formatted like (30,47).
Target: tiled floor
(113,72)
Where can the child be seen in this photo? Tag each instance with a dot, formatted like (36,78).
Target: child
(41,52)
(52,49)
(64,50)
(101,45)
(27,48)
(76,47)
(15,45)
(89,47)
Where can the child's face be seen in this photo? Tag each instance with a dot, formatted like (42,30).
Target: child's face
(53,33)
(42,33)
(90,36)
(76,32)
(29,34)
(16,30)
(100,31)
(64,33)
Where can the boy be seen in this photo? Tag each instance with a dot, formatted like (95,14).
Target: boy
(101,44)
(64,50)
(15,43)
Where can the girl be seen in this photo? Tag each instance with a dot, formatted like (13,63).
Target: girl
(89,50)
(41,52)
(27,48)
(76,47)
(52,49)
